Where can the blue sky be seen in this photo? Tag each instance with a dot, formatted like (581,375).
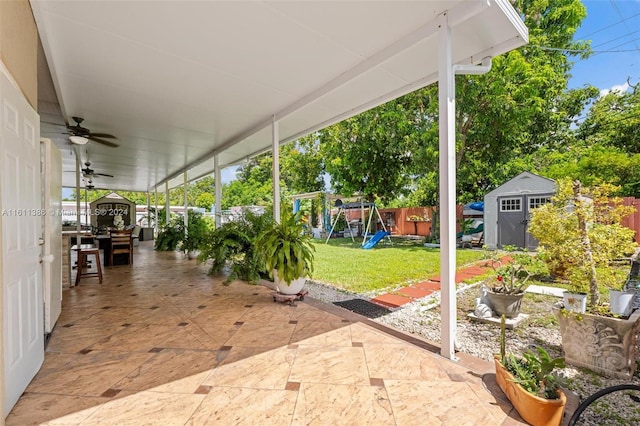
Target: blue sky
(613,26)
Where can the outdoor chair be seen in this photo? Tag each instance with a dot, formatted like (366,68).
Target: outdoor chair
(122,243)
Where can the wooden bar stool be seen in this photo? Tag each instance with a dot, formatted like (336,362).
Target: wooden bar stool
(83,251)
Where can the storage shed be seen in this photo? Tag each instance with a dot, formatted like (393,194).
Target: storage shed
(104,209)
(507,209)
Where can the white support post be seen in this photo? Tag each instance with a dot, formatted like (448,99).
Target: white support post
(186,205)
(78,224)
(155,215)
(276,169)
(167,203)
(148,209)
(447,165)
(218,190)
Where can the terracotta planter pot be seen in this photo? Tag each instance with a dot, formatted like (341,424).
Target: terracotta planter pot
(507,304)
(534,410)
(605,345)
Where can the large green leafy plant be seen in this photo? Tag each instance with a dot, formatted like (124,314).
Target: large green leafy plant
(197,232)
(171,233)
(233,244)
(285,247)
(580,233)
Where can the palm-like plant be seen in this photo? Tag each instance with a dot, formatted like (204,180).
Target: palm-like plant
(286,248)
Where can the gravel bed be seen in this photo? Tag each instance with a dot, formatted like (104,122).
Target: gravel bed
(422,318)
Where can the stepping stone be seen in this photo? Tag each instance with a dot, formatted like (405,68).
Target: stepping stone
(391,300)
(415,292)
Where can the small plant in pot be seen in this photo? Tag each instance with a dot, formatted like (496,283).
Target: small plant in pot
(506,287)
(531,384)
(287,252)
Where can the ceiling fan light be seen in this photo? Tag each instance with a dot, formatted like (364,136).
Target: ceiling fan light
(78,140)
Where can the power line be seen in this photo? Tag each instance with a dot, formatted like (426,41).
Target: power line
(617,38)
(562,49)
(615,6)
(609,26)
(607,123)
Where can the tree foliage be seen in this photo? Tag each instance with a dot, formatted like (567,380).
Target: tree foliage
(557,226)
(614,120)
(371,153)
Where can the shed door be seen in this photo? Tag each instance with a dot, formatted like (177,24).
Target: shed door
(512,221)
(534,201)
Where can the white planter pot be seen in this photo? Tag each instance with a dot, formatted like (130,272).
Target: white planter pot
(193,254)
(621,302)
(575,302)
(294,288)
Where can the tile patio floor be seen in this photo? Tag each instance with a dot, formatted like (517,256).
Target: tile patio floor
(163,343)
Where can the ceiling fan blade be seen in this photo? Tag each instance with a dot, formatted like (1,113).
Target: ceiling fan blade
(103,142)
(102,135)
(102,174)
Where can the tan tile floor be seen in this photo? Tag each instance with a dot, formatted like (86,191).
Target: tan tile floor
(163,343)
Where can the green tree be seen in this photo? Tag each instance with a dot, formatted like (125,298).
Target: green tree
(614,120)
(370,153)
(302,163)
(522,104)
(205,200)
(303,166)
(592,165)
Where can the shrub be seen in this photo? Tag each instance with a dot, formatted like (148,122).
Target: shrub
(233,244)
(579,236)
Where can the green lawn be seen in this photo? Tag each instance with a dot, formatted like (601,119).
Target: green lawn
(344,264)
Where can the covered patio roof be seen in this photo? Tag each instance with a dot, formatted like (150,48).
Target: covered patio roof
(179,82)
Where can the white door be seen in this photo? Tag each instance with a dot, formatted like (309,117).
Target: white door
(22,305)
(52,232)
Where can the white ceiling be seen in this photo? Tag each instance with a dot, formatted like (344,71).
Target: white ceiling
(179,81)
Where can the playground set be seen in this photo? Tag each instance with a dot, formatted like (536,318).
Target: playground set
(370,239)
(369,211)
(370,223)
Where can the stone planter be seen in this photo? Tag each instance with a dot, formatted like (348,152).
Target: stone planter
(504,303)
(605,345)
(533,409)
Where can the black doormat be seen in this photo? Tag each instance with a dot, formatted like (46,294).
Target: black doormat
(363,307)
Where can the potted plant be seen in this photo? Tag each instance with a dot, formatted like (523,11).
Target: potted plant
(506,288)
(530,383)
(579,238)
(171,234)
(233,245)
(287,252)
(197,231)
